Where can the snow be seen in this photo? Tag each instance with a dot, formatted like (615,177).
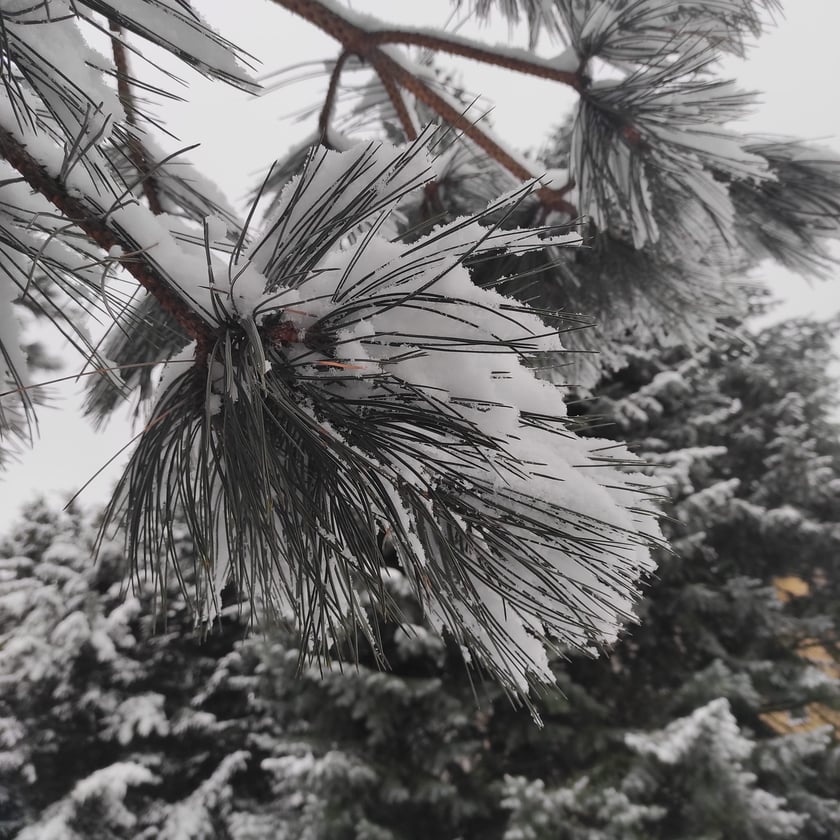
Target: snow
(216,228)
(679,737)
(182,264)
(141,715)
(113,781)
(712,734)
(70,86)
(108,787)
(175,367)
(178,28)
(189,819)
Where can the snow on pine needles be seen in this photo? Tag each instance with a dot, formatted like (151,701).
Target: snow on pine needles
(359,389)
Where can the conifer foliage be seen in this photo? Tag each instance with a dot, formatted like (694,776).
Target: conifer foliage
(366,366)
(676,735)
(115,728)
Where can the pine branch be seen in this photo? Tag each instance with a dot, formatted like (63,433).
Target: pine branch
(359,35)
(794,217)
(96,227)
(617,127)
(68,106)
(540,16)
(392,89)
(329,99)
(179,29)
(507,58)
(327,410)
(650,160)
(324,401)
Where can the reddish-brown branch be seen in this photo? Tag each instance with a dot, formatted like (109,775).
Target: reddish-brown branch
(359,41)
(391,89)
(286,332)
(351,37)
(136,151)
(554,199)
(550,197)
(367,45)
(476,52)
(457,119)
(75,210)
(329,101)
(362,42)
(396,97)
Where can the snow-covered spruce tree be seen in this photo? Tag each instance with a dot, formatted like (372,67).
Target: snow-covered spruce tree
(108,723)
(101,733)
(114,728)
(333,380)
(676,736)
(670,738)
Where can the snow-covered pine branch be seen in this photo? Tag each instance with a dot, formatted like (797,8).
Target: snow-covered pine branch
(63,132)
(340,378)
(339,384)
(652,159)
(357,386)
(632,32)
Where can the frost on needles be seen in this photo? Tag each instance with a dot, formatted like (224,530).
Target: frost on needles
(356,387)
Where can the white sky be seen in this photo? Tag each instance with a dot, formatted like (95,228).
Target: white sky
(796,66)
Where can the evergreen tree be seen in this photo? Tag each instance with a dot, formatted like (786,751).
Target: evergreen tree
(112,727)
(677,732)
(355,374)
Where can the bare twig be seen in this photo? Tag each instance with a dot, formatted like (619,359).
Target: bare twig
(396,97)
(329,100)
(136,150)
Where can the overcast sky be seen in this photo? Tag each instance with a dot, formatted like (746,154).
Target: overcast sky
(796,66)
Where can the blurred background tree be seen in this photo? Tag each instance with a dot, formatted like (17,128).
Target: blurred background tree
(144,731)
